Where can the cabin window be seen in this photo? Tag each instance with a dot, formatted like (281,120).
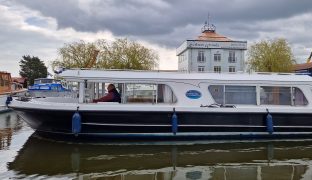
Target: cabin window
(299,98)
(240,95)
(44,87)
(233,94)
(149,93)
(165,94)
(37,82)
(217,93)
(275,95)
(54,88)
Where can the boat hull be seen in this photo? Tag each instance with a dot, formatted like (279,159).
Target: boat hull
(143,124)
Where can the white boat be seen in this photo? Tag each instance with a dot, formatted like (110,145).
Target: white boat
(180,106)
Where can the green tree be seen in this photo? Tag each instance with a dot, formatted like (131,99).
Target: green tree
(119,54)
(32,68)
(270,56)
(76,55)
(125,54)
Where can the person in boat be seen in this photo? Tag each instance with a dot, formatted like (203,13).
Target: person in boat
(112,96)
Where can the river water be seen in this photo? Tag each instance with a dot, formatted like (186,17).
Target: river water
(24,155)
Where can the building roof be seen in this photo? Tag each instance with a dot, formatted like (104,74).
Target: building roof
(20,80)
(303,66)
(212,36)
(209,34)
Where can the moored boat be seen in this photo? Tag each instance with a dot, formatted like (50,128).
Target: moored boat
(176,105)
(46,87)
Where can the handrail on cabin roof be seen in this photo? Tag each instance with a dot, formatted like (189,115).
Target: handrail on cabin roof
(134,70)
(188,72)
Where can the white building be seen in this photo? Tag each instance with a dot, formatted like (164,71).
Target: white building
(211,52)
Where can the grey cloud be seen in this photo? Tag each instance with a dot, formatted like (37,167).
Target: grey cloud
(135,17)
(164,22)
(17,43)
(170,22)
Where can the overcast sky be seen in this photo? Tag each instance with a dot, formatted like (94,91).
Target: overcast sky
(39,28)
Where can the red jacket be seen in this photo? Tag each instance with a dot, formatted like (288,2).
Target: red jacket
(109,97)
(112,96)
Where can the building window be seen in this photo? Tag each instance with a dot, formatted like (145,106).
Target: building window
(201,58)
(201,69)
(182,57)
(232,58)
(217,69)
(217,57)
(232,69)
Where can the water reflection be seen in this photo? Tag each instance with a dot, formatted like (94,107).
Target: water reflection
(9,123)
(240,160)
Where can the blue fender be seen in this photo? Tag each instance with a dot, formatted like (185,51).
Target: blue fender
(174,122)
(269,123)
(76,123)
(8,100)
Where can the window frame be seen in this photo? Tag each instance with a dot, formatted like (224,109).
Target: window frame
(292,96)
(231,68)
(154,96)
(232,57)
(304,101)
(217,57)
(201,69)
(224,92)
(218,69)
(201,57)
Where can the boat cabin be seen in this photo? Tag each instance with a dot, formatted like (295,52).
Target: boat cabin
(194,89)
(46,84)
(46,87)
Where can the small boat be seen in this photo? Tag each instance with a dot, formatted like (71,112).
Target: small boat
(46,87)
(175,105)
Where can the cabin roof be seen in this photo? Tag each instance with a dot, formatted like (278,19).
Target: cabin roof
(44,78)
(127,75)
